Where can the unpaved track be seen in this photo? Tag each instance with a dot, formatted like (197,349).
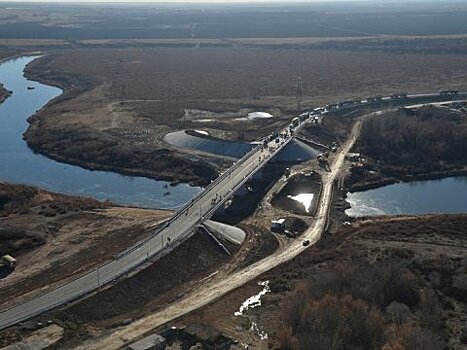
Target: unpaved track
(221,285)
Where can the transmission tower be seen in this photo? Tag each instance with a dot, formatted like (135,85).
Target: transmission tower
(299,93)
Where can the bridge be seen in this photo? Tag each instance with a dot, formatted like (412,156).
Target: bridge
(174,231)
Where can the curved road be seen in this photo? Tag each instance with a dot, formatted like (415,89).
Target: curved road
(217,287)
(173,232)
(181,226)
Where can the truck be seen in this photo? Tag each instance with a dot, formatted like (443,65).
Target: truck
(296,122)
(9,261)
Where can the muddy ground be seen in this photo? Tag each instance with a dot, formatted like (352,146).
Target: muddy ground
(55,237)
(309,182)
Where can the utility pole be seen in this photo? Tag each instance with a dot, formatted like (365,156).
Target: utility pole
(124,96)
(299,93)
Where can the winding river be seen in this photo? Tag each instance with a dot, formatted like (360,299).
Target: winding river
(19,164)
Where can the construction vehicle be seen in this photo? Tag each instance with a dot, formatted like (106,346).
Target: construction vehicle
(9,261)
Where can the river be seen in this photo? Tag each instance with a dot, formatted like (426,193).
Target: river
(447,195)
(19,164)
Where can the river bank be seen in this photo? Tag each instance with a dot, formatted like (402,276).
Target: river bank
(4,93)
(112,141)
(43,230)
(21,165)
(371,185)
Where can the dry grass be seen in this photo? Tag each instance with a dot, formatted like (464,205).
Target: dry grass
(185,75)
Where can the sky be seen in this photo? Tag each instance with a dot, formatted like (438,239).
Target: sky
(186,1)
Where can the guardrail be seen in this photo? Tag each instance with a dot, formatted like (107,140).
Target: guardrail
(188,205)
(92,277)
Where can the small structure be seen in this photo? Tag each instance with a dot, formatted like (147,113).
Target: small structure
(209,337)
(278,225)
(353,157)
(9,261)
(151,342)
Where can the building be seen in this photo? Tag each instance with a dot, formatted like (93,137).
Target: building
(353,157)
(151,342)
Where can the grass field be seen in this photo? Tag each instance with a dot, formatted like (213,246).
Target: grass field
(134,96)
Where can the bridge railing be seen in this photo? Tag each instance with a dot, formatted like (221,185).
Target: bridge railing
(93,276)
(189,204)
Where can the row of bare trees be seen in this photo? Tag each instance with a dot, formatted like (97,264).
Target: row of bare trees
(405,142)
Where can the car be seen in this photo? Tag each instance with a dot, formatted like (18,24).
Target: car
(306,242)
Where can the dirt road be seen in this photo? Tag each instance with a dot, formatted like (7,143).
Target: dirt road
(220,285)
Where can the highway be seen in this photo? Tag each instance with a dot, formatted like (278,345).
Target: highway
(180,227)
(217,287)
(172,233)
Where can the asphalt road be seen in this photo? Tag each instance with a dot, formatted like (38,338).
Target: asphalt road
(179,228)
(217,287)
(175,230)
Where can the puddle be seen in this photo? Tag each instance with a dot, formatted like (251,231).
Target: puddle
(202,132)
(206,120)
(259,115)
(305,198)
(251,303)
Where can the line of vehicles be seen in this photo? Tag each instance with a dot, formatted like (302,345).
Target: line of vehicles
(371,99)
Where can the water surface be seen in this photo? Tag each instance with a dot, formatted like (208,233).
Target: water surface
(18,164)
(448,195)
(304,198)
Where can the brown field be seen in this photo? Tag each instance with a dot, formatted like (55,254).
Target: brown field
(127,99)
(54,237)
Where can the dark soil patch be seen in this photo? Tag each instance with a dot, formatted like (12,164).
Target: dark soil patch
(244,205)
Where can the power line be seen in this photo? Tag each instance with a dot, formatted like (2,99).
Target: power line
(299,92)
